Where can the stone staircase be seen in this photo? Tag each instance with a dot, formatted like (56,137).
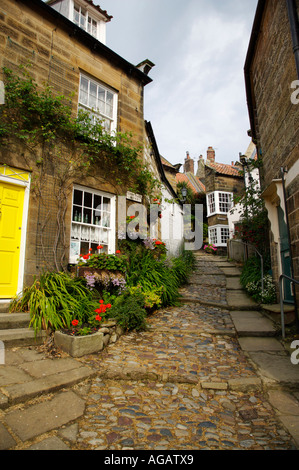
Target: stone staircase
(15,331)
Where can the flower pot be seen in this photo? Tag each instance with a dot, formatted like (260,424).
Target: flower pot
(78,346)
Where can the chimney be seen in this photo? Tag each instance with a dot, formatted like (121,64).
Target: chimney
(201,168)
(189,164)
(211,154)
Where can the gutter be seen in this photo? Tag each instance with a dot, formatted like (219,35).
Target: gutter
(294,24)
(250,53)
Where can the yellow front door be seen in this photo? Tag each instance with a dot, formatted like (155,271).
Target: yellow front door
(11,215)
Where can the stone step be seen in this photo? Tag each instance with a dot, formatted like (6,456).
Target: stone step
(14,320)
(21,337)
(4,306)
(239,300)
(252,323)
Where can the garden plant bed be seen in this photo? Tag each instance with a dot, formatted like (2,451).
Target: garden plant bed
(76,345)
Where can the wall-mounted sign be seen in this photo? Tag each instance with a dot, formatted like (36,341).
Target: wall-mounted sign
(134,197)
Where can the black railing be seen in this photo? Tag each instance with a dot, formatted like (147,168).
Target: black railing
(283,276)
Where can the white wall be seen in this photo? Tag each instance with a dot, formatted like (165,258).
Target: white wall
(172,228)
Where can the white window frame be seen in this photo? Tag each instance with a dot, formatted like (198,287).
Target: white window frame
(215,235)
(85,20)
(94,233)
(214,202)
(95,112)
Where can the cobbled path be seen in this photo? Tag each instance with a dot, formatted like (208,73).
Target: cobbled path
(166,388)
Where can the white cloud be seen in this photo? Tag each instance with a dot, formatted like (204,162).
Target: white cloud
(197,97)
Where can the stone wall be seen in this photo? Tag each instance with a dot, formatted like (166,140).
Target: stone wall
(276,118)
(272,71)
(57,56)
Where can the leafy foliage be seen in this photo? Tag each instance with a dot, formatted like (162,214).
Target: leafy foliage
(254,223)
(250,280)
(54,300)
(129,312)
(104,261)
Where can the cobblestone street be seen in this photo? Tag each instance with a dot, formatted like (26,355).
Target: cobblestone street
(167,388)
(183,384)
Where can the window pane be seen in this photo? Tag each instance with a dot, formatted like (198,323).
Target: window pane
(83,97)
(87,199)
(97,217)
(106,219)
(93,95)
(86,216)
(77,197)
(97,202)
(77,214)
(101,99)
(106,204)
(76,14)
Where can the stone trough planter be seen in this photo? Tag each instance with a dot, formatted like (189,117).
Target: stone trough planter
(78,346)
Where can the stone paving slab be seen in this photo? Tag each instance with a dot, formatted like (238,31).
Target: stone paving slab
(50,443)
(28,373)
(230,271)
(260,344)
(21,392)
(233,283)
(6,439)
(251,323)
(277,367)
(238,299)
(43,417)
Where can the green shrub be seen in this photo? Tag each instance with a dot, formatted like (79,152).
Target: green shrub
(251,281)
(54,300)
(129,312)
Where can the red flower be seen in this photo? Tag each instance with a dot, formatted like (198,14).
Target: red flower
(117,252)
(90,249)
(108,305)
(101,301)
(132,216)
(99,247)
(85,256)
(75,322)
(98,318)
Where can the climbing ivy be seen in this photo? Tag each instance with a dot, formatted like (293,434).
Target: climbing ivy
(47,126)
(52,139)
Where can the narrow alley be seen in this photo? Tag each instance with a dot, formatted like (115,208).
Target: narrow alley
(184,384)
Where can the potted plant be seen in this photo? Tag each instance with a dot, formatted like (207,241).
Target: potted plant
(88,338)
(210,248)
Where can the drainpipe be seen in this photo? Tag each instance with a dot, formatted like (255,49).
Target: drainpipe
(283,171)
(294,24)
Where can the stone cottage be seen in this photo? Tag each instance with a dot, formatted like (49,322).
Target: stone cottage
(222,183)
(271,76)
(64,42)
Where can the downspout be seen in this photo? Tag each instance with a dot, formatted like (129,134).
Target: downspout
(283,171)
(294,24)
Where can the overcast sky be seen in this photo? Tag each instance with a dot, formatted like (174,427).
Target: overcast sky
(197,97)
